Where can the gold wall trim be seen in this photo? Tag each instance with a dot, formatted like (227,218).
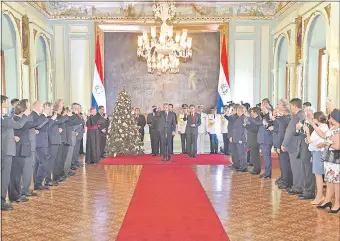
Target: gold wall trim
(25,39)
(54,64)
(289,34)
(328,11)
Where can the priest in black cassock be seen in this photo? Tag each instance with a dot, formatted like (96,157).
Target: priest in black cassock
(92,138)
(103,124)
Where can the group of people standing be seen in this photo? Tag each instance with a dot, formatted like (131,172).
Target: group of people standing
(41,142)
(306,142)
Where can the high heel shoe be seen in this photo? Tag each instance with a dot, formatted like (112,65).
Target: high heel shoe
(326,205)
(334,211)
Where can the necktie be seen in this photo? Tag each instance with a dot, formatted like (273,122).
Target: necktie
(192,117)
(214,116)
(166,116)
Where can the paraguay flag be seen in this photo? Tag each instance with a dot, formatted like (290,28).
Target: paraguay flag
(223,91)
(98,89)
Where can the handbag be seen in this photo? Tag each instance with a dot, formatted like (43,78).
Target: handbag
(325,155)
(331,156)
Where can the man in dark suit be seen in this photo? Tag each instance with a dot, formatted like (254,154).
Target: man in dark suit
(291,143)
(14,102)
(153,122)
(39,121)
(167,128)
(42,155)
(54,140)
(281,123)
(58,170)
(23,151)
(252,143)
(232,117)
(141,122)
(265,139)
(239,138)
(8,149)
(171,109)
(191,131)
(80,123)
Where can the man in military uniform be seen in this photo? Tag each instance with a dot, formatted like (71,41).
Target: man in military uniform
(182,125)
(153,121)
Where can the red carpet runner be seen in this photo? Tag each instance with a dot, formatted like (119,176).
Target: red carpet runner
(169,204)
(204,159)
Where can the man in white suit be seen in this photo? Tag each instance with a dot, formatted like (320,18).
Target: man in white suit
(213,128)
(202,130)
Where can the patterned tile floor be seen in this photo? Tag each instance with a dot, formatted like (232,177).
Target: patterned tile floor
(92,205)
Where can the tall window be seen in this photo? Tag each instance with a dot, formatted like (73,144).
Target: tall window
(3,80)
(322,79)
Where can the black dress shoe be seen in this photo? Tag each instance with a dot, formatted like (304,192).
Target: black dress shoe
(42,188)
(194,156)
(334,211)
(154,155)
(307,198)
(326,205)
(6,207)
(242,170)
(254,173)
(294,192)
(31,194)
(282,186)
(22,199)
(263,176)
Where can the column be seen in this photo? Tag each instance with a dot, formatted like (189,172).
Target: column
(274,72)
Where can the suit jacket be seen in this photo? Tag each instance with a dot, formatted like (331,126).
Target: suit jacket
(42,136)
(292,139)
(141,122)
(71,125)
(196,121)
(62,125)
(304,152)
(252,131)
(280,126)
(231,119)
(23,147)
(175,116)
(80,123)
(54,136)
(167,125)
(264,136)
(8,145)
(239,134)
(103,123)
(153,121)
(40,121)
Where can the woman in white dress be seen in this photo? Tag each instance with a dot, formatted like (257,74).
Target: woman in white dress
(319,120)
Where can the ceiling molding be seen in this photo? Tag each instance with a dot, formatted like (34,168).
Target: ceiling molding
(204,12)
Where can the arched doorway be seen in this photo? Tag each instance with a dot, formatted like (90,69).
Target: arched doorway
(9,60)
(282,83)
(41,76)
(316,64)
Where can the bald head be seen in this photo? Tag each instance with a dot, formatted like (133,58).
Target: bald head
(37,106)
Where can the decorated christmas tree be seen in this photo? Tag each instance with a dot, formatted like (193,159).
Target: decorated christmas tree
(123,136)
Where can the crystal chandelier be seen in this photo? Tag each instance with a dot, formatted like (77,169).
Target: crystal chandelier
(163,52)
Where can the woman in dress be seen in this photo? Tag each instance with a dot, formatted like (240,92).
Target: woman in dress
(332,162)
(313,139)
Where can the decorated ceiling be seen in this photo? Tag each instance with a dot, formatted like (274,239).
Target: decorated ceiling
(185,10)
